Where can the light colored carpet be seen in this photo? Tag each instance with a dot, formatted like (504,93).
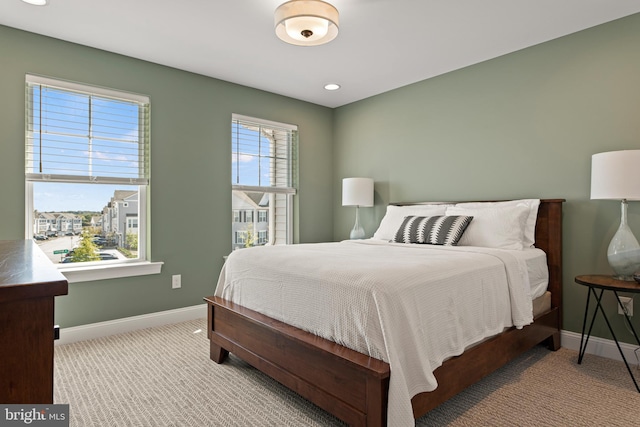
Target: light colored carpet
(163,377)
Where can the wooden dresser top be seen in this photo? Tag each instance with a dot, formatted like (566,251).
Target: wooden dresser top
(26,272)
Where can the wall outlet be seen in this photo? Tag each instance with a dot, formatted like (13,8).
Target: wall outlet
(176,281)
(627,302)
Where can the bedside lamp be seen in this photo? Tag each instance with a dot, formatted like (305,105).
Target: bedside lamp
(615,175)
(357,192)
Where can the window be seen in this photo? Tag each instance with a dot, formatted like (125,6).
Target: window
(87,173)
(132,223)
(264,173)
(241,237)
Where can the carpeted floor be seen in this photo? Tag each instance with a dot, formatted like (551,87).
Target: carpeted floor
(163,377)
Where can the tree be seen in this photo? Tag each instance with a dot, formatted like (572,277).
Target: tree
(250,240)
(86,219)
(132,241)
(86,250)
(94,230)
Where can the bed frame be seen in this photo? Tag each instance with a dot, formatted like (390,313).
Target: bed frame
(353,386)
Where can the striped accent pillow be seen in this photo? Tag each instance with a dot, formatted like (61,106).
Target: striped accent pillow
(432,230)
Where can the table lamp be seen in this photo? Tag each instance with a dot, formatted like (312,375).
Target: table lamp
(615,175)
(357,192)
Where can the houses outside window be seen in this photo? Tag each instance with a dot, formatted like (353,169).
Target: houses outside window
(87,171)
(264,173)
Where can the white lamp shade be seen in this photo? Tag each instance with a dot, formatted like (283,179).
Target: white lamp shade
(615,175)
(306,22)
(357,192)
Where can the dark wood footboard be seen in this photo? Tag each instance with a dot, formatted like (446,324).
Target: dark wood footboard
(348,384)
(474,364)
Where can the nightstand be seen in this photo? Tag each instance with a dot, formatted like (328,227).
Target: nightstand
(605,283)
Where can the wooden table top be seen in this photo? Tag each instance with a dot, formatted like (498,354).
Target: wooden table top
(608,282)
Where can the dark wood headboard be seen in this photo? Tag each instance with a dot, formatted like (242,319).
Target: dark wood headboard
(549,239)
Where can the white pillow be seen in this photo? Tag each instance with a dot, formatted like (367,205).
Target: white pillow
(392,220)
(532,204)
(494,227)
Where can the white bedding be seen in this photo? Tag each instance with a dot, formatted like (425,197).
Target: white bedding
(537,269)
(412,306)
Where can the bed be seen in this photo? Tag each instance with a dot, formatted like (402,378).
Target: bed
(354,385)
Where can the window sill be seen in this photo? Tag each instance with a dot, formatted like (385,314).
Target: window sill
(102,272)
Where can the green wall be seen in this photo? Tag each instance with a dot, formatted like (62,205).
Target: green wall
(190,168)
(522,125)
(519,126)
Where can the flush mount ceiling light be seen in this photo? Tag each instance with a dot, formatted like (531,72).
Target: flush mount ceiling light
(306,22)
(36,2)
(332,86)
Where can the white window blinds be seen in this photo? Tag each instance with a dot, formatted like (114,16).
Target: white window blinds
(264,155)
(78,133)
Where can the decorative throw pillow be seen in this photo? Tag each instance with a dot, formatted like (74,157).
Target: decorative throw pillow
(432,230)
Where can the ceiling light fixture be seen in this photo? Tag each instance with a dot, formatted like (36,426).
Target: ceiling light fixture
(332,86)
(306,22)
(36,2)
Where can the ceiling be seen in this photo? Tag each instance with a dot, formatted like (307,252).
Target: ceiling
(382,44)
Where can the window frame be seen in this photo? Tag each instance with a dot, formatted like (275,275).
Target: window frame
(289,192)
(96,270)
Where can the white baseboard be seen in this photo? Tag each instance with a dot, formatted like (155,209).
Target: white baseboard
(118,326)
(601,347)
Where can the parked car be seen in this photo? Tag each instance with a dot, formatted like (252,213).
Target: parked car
(40,237)
(103,257)
(99,241)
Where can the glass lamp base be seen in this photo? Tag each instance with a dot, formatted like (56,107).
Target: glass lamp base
(624,251)
(357,233)
(625,264)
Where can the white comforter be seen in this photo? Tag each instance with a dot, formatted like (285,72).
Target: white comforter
(412,306)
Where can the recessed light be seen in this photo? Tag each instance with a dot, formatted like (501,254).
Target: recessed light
(36,2)
(332,86)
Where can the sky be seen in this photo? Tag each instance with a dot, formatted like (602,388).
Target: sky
(56,197)
(75,134)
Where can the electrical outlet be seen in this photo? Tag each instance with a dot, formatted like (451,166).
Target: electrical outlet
(627,302)
(176,281)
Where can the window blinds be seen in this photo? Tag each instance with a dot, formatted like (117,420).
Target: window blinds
(264,155)
(77,133)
